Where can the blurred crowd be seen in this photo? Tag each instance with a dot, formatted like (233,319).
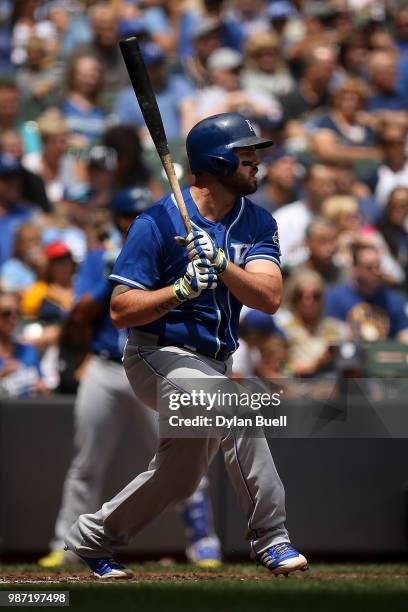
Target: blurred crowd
(327,80)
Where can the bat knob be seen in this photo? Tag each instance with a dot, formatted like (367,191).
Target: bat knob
(180,240)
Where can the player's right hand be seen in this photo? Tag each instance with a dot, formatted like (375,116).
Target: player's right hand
(199,275)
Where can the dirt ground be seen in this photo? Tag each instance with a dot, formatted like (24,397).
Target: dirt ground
(76,576)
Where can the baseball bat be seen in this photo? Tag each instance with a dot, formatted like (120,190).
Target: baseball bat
(143,89)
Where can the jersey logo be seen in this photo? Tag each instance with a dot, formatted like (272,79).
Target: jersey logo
(275,240)
(240,252)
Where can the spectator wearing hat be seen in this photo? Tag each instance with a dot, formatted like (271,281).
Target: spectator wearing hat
(281,183)
(285,22)
(22,270)
(50,299)
(256,328)
(227,93)
(371,310)
(312,336)
(54,164)
(264,69)
(33,187)
(101,164)
(13,211)
(339,136)
(170,90)
(20,372)
(81,108)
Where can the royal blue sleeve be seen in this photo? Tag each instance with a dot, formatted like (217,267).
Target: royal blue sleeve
(91,278)
(139,263)
(266,244)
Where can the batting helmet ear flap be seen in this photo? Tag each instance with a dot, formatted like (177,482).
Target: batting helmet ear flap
(223,166)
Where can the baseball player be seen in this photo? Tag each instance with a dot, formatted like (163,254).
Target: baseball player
(105,402)
(182,305)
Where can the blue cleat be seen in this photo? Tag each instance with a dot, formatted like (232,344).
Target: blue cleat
(107,568)
(205,552)
(282,559)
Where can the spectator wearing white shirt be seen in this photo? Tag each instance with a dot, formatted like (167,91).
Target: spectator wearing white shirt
(293,219)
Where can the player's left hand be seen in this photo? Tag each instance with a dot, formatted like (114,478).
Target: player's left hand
(199,244)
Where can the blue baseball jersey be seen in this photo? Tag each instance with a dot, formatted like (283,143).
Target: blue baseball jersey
(92,279)
(151,259)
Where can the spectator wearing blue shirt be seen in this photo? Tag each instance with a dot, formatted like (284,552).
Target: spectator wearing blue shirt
(20,373)
(372,310)
(170,90)
(383,75)
(13,212)
(82,112)
(20,272)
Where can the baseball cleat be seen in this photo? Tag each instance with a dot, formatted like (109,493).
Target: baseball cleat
(56,559)
(204,553)
(282,559)
(107,568)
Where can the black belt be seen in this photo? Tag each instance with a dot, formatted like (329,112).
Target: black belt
(107,357)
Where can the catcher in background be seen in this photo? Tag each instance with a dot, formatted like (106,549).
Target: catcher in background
(182,305)
(105,403)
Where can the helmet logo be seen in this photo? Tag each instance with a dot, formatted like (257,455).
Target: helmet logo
(250,125)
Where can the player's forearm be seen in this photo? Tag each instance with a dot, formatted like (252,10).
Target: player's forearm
(253,289)
(132,307)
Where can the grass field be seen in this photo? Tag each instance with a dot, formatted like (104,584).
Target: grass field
(238,587)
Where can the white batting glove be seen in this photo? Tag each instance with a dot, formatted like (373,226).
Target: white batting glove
(200,244)
(200,275)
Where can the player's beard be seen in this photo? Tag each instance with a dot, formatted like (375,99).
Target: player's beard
(240,184)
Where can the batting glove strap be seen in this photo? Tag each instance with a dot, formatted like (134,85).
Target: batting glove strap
(221,262)
(200,274)
(200,245)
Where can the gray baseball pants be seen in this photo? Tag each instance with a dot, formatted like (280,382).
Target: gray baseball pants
(179,463)
(105,404)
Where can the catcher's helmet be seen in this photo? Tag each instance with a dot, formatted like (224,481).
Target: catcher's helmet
(210,144)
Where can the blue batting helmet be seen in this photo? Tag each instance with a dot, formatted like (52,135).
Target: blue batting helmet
(210,144)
